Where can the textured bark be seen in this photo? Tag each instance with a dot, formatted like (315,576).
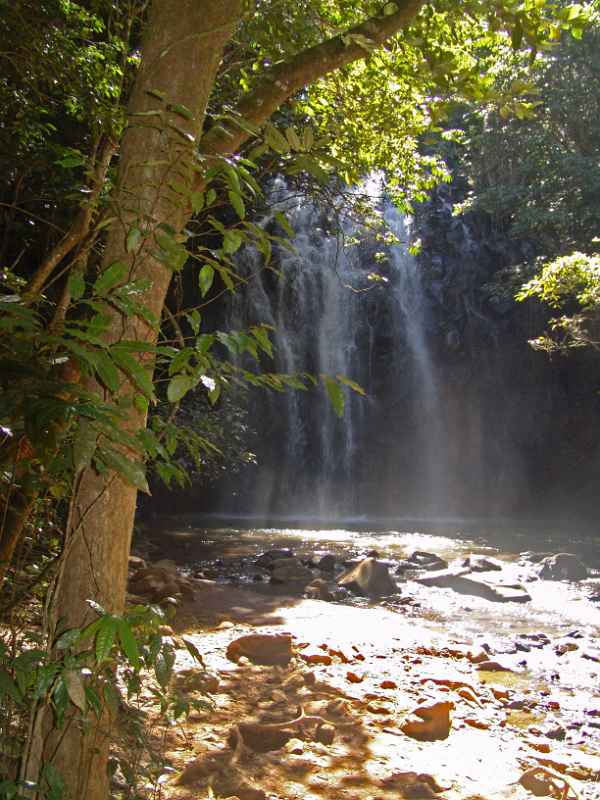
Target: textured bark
(181,53)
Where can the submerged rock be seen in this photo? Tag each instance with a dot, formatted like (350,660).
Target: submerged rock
(370,578)
(290,570)
(563,567)
(461,583)
(266,559)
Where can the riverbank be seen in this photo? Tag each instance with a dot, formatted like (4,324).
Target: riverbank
(500,699)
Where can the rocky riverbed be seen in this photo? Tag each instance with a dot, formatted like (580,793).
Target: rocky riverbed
(458,670)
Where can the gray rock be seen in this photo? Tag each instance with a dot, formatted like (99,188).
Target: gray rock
(459,582)
(370,578)
(425,560)
(290,570)
(563,567)
(482,564)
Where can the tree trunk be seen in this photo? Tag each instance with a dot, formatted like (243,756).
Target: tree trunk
(182,49)
(181,52)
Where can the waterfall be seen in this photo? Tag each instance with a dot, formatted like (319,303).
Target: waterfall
(410,328)
(316,317)
(329,319)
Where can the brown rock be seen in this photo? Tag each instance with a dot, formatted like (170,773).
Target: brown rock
(429,722)
(353,677)
(370,578)
(493,666)
(325,734)
(480,724)
(388,684)
(315,657)
(261,649)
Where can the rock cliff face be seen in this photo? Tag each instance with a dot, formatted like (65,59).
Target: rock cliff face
(462,417)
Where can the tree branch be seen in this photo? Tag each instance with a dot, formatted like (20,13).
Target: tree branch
(283,80)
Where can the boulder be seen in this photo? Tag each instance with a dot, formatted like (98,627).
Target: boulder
(424,560)
(262,649)
(562,567)
(290,570)
(370,578)
(459,582)
(266,559)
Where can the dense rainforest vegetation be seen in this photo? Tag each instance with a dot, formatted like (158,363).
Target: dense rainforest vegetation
(135,142)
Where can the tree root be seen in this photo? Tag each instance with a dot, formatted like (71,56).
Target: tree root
(264,736)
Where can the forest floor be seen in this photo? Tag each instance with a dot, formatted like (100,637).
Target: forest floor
(358,674)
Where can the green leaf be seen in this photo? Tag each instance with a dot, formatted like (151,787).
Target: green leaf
(237,202)
(232,241)
(276,139)
(9,687)
(105,638)
(335,394)
(107,372)
(55,781)
(205,279)
(178,387)
(129,644)
(197,200)
(214,394)
(356,387)
(293,139)
(194,318)
(192,650)
(211,196)
(93,701)
(134,239)
(312,166)
(284,222)
(135,370)
(133,471)
(111,276)
(76,285)
(75,688)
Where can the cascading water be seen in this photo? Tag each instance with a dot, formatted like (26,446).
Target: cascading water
(315,316)
(329,319)
(411,322)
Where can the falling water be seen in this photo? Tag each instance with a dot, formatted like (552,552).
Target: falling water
(312,463)
(315,316)
(410,328)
